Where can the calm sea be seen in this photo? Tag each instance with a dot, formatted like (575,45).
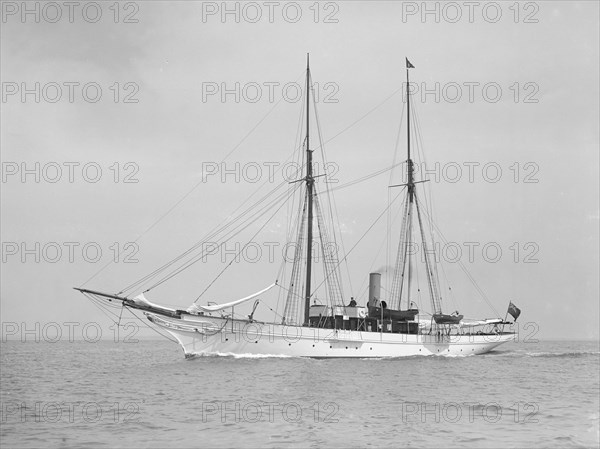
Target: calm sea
(146,394)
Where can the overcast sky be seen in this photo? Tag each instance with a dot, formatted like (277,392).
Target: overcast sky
(137,92)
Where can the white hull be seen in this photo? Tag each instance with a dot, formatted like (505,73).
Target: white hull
(205,335)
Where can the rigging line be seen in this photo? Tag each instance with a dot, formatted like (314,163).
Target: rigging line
(385,290)
(428,198)
(431,276)
(328,261)
(152,274)
(280,275)
(232,233)
(429,205)
(239,252)
(192,257)
(403,255)
(105,305)
(226,156)
(281,271)
(452,298)
(290,310)
(384,241)
(390,182)
(195,186)
(121,313)
(211,235)
(366,177)
(299,296)
(218,229)
(102,300)
(397,144)
(290,156)
(362,292)
(249,220)
(274,311)
(101,305)
(290,224)
(101,308)
(331,199)
(151,327)
(359,240)
(427,190)
(363,116)
(194,260)
(465,270)
(419,301)
(284,182)
(295,227)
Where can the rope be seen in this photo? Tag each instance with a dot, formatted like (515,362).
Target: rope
(359,240)
(159,219)
(239,252)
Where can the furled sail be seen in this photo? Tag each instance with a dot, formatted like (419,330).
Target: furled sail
(196,308)
(473,323)
(141,300)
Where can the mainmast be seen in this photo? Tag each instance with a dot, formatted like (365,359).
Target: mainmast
(412,200)
(309,192)
(410,184)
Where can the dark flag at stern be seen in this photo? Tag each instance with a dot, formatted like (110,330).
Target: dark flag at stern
(514,311)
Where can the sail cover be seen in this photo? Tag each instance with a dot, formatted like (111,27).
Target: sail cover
(473,323)
(141,300)
(216,307)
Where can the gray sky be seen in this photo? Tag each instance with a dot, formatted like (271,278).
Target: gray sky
(532,74)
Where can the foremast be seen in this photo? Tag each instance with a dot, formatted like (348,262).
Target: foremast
(311,229)
(309,189)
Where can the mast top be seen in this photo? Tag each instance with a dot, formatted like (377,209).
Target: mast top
(409,163)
